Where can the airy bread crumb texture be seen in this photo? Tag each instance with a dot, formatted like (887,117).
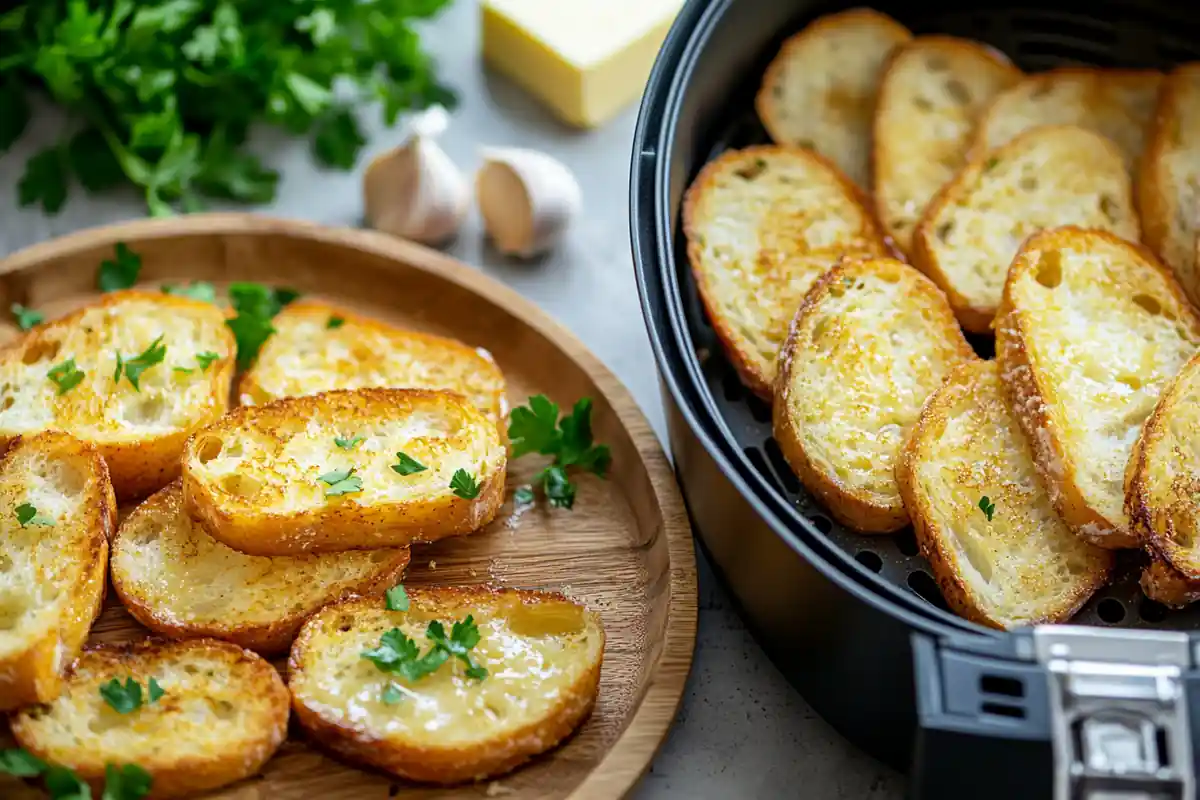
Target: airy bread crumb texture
(542,652)
(1021,566)
(762,224)
(870,343)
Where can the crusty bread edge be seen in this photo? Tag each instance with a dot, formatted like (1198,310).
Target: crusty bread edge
(267,639)
(929,534)
(35,674)
(1025,394)
(448,764)
(749,374)
(765,104)
(348,527)
(998,58)
(187,775)
(843,504)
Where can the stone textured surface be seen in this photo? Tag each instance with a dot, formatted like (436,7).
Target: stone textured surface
(742,732)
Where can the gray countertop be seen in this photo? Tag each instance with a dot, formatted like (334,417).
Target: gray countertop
(742,731)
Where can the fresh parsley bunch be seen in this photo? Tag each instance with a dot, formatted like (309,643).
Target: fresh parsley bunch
(167,91)
(536,428)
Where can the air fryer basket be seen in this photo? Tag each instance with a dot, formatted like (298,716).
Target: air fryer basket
(780,554)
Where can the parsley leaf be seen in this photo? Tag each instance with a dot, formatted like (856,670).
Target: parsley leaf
(206,359)
(523,496)
(26,317)
(338,140)
(397,598)
(394,648)
(335,322)
(44,181)
(27,515)
(154,691)
(392,695)
(119,272)
(255,305)
(63,784)
(408,465)
(129,782)
(124,698)
(397,654)
(134,367)
(14,112)
(197,290)
(21,764)
(347,444)
(463,636)
(463,483)
(536,428)
(341,481)
(66,376)
(987,507)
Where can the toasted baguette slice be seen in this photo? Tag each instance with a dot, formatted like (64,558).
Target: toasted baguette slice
(819,91)
(1163,478)
(1045,178)
(762,224)
(1022,566)
(139,431)
(933,90)
(1116,103)
(264,479)
(1165,585)
(1090,329)
(178,581)
(307,356)
(872,340)
(542,654)
(222,714)
(52,568)
(1169,179)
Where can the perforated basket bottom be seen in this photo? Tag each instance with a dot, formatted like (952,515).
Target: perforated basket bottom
(1116,34)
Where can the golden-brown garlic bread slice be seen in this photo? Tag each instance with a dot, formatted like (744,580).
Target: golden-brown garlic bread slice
(134,374)
(762,224)
(525,681)
(1045,178)
(872,340)
(318,347)
(1090,329)
(819,92)
(214,715)
(983,520)
(345,470)
(57,512)
(933,90)
(180,582)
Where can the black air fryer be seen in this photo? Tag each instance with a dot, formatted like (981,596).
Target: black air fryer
(1102,709)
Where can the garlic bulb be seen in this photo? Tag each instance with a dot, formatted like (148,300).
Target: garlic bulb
(415,191)
(527,199)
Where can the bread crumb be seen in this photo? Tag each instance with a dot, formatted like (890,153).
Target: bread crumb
(432,564)
(495,789)
(472,573)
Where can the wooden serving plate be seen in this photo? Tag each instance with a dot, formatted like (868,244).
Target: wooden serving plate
(625,549)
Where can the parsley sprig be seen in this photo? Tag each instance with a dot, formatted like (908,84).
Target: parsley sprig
(66,376)
(987,507)
(340,481)
(463,484)
(119,272)
(397,598)
(536,428)
(133,367)
(399,655)
(256,305)
(125,698)
(407,465)
(347,443)
(26,317)
(124,782)
(196,290)
(27,514)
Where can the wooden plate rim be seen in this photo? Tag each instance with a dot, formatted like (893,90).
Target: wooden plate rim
(630,755)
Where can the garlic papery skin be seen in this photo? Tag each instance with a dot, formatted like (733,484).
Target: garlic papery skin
(416,191)
(527,199)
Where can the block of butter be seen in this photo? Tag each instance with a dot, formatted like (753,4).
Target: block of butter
(585,59)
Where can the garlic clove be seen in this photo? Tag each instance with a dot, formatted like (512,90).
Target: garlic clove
(527,199)
(416,191)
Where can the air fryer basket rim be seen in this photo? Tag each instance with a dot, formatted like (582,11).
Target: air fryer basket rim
(652,234)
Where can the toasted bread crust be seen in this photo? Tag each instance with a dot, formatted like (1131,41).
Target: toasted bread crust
(787,266)
(341,523)
(977,314)
(34,674)
(181,621)
(421,757)
(1165,585)
(42,729)
(940,536)
(141,462)
(855,506)
(1035,401)
(364,359)
(907,140)
(1170,211)
(849,96)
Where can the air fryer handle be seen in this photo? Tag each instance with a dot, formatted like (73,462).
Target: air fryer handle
(995,715)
